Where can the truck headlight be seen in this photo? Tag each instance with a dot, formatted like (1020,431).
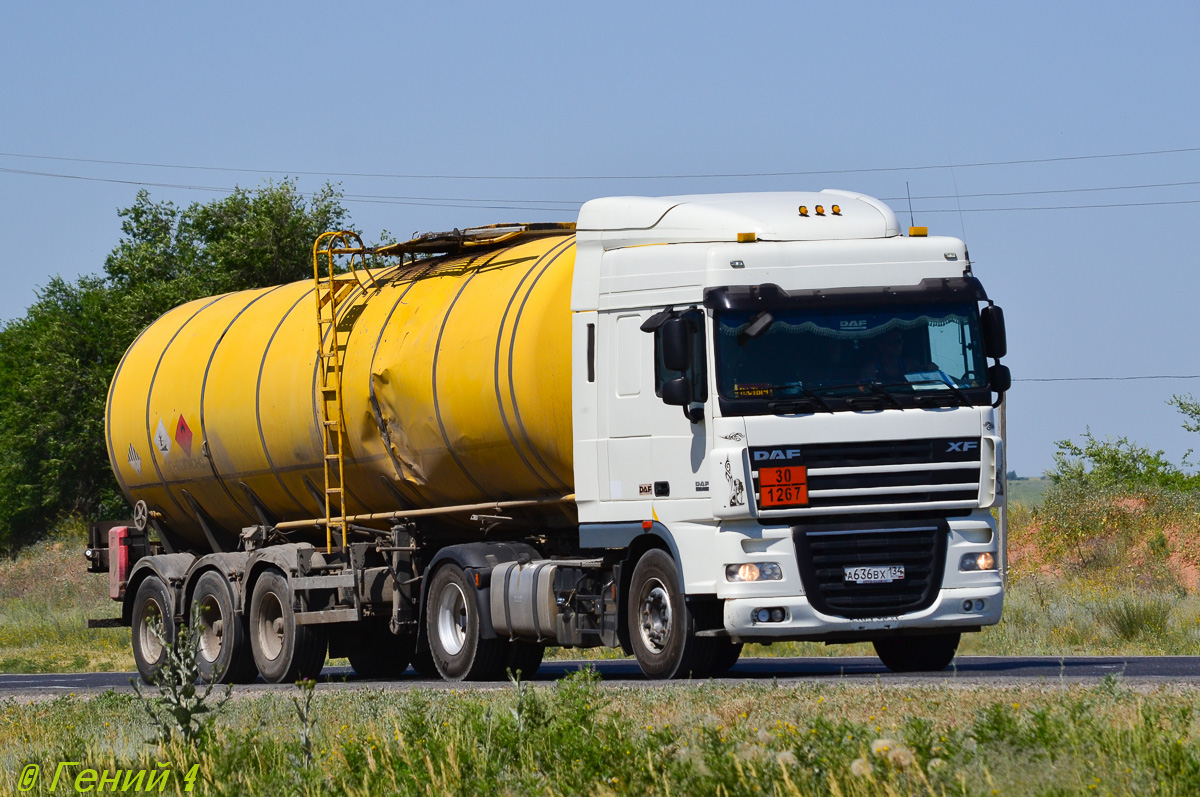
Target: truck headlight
(754,571)
(978,561)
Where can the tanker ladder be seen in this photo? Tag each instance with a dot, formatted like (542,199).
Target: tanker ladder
(331,291)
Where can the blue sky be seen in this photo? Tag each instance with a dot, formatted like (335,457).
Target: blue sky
(632,90)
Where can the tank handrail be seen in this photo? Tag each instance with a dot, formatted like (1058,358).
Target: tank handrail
(472,238)
(402,514)
(339,243)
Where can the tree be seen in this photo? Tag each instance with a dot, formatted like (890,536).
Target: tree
(56,362)
(1190,407)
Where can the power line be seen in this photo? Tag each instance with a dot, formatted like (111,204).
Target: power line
(696,176)
(1047,191)
(1111,378)
(570,205)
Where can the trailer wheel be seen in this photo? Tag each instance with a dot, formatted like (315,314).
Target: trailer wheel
(459,652)
(375,652)
(283,651)
(524,658)
(661,626)
(224,654)
(151,607)
(917,654)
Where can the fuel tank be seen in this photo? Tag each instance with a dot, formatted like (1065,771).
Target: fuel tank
(456,383)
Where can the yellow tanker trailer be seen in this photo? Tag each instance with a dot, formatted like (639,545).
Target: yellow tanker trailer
(670,427)
(216,415)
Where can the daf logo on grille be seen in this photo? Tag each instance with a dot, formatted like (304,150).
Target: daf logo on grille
(963,446)
(776,453)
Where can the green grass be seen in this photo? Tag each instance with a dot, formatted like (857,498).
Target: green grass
(580,737)
(1027,491)
(46,598)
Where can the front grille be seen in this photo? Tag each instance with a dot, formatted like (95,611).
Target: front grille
(883,473)
(825,551)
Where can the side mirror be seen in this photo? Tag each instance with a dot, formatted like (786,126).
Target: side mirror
(999,378)
(676,346)
(995,341)
(677,392)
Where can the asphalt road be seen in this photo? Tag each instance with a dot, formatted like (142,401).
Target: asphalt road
(967,670)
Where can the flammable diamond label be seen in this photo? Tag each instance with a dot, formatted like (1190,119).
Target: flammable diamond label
(135,461)
(183,436)
(162,440)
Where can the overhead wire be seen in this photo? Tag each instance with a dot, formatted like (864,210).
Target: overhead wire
(681,176)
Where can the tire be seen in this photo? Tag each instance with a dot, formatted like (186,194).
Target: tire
(283,651)
(725,656)
(917,654)
(524,659)
(375,652)
(151,604)
(422,662)
(661,626)
(223,654)
(453,624)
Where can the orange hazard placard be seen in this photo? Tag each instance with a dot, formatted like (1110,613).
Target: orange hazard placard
(787,486)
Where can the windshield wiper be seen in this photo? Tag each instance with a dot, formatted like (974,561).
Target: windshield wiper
(797,405)
(958,394)
(880,390)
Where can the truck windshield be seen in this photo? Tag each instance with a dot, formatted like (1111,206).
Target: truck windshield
(849,357)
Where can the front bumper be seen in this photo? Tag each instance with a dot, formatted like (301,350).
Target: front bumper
(946,614)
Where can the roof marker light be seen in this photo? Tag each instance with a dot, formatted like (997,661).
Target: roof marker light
(804,211)
(820,210)
(836,210)
(918,232)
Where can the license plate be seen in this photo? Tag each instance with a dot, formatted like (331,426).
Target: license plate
(884,574)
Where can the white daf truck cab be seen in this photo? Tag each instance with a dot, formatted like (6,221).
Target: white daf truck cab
(795,401)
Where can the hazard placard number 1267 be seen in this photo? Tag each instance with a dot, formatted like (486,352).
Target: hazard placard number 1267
(786,486)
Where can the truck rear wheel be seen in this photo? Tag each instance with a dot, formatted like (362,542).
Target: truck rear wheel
(452,620)
(661,626)
(917,654)
(283,651)
(223,654)
(151,610)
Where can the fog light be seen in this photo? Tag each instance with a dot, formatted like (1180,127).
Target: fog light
(979,605)
(967,605)
(773,614)
(754,571)
(978,561)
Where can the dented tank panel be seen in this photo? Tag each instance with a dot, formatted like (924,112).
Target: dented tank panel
(456,384)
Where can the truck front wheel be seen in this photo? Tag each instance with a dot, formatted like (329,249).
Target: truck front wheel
(661,626)
(452,620)
(224,654)
(283,651)
(917,653)
(153,624)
